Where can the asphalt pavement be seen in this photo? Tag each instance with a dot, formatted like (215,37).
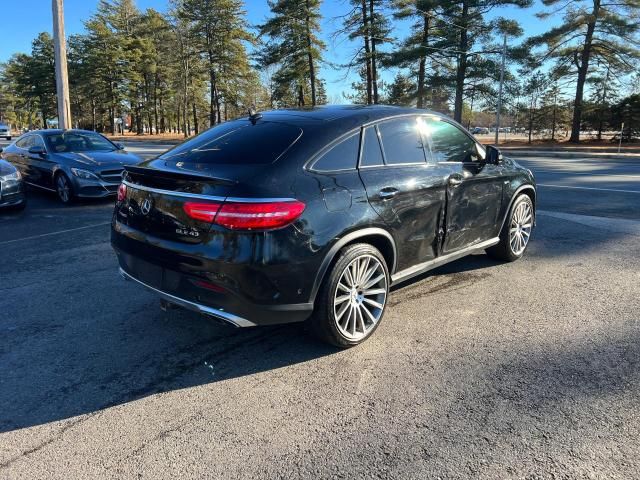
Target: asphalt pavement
(479,369)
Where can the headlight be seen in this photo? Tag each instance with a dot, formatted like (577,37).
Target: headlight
(87,175)
(15,176)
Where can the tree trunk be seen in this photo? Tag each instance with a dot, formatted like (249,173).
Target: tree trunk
(367,51)
(312,70)
(93,114)
(582,74)
(212,101)
(195,118)
(602,105)
(531,121)
(155,104)
(423,62)
(300,96)
(461,70)
(374,69)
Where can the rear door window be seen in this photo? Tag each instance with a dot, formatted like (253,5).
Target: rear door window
(402,141)
(237,142)
(371,152)
(342,156)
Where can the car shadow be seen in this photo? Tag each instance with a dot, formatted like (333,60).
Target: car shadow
(78,339)
(88,357)
(68,369)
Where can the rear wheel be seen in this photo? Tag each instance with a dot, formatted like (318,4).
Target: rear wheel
(64,188)
(353,298)
(516,231)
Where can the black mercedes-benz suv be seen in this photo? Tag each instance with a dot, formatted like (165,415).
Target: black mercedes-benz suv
(313,214)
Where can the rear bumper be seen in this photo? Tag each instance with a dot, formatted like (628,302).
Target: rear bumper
(196,307)
(176,283)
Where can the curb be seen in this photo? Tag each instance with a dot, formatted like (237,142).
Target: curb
(571,155)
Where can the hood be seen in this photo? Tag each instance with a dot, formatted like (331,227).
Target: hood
(6,168)
(99,159)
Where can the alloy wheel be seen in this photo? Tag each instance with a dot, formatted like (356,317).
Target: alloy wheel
(360,297)
(63,188)
(520,229)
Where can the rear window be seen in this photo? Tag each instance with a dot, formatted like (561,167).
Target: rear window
(237,142)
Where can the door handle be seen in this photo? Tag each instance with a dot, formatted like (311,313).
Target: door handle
(388,192)
(455,181)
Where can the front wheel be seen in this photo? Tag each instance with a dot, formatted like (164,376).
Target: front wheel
(516,231)
(64,188)
(352,300)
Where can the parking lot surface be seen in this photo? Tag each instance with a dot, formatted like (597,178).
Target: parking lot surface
(479,369)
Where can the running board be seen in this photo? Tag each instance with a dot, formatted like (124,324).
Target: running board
(436,262)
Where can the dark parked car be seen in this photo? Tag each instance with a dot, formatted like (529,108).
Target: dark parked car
(71,163)
(11,186)
(313,214)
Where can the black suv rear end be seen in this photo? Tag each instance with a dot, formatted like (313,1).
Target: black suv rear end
(209,225)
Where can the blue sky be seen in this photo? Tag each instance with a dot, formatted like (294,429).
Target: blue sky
(18,29)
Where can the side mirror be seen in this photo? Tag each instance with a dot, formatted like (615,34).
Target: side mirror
(119,146)
(494,155)
(37,150)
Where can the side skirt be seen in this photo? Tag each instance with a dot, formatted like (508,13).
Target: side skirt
(40,186)
(436,262)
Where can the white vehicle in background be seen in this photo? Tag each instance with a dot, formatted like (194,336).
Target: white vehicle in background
(5,131)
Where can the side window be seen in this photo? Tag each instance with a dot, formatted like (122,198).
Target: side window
(371,152)
(342,156)
(402,141)
(449,143)
(37,142)
(25,142)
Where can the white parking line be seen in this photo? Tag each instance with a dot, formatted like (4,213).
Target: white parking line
(588,188)
(55,233)
(613,224)
(571,172)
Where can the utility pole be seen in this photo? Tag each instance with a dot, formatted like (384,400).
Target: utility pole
(504,54)
(60,51)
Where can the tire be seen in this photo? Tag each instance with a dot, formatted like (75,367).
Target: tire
(59,180)
(519,223)
(346,316)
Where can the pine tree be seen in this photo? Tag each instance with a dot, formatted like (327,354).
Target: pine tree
(417,50)
(220,31)
(401,91)
(367,22)
(294,47)
(467,28)
(592,30)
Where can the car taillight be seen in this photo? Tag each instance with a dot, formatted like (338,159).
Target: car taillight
(205,212)
(258,216)
(122,192)
(247,215)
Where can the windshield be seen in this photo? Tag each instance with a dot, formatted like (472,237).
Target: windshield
(78,142)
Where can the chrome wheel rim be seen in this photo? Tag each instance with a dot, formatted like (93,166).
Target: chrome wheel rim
(63,188)
(520,229)
(360,297)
